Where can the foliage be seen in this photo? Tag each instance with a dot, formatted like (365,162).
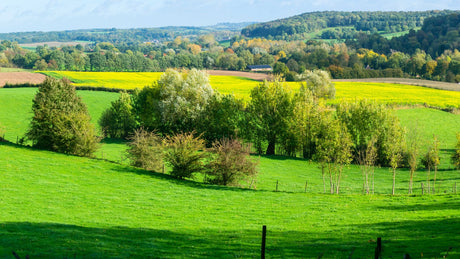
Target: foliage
(368,121)
(456,155)
(412,154)
(184,153)
(334,151)
(297,27)
(394,147)
(269,111)
(319,83)
(431,161)
(118,120)
(146,150)
(231,163)
(61,121)
(222,118)
(175,102)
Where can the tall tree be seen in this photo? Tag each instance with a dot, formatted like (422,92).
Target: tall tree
(175,102)
(269,111)
(319,83)
(61,121)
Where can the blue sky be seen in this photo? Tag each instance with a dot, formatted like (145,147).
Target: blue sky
(50,15)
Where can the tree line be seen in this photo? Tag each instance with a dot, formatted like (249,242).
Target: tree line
(180,120)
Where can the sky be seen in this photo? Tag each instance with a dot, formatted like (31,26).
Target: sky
(56,15)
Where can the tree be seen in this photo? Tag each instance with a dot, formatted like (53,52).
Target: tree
(319,83)
(61,121)
(394,147)
(118,121)
(222,118)
(146,150)
(269,111)
(456,155)
(366,120)
(184,154)
(334,150)
(412,152)
(231,163)
(431,161)
(175,102)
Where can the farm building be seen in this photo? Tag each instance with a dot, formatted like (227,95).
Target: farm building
(260,68)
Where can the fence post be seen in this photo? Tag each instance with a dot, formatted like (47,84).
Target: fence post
(378,249)
(276,186)
(264,236)
(306,184)
(422,189)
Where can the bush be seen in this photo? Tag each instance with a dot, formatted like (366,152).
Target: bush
(231,163)
(146,150)
(118,121)
(185,155)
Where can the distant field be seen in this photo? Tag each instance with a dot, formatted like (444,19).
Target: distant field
(20,78)
(403,94)
(53,44)
(407,81)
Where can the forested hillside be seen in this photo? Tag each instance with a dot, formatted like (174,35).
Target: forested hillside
(344,25)
(220,31)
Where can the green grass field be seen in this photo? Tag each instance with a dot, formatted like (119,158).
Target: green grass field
(62,206)
(55,205)
(241,87)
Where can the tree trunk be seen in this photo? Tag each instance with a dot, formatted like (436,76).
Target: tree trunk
(434,180)
(411,179)
(271,146)
(394,182)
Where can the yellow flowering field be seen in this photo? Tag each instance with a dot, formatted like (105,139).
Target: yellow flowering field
(241,87)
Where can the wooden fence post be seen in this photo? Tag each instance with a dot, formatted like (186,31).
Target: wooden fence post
(306,184)
(264,237)
(422,189)
(276,186)
(378,249)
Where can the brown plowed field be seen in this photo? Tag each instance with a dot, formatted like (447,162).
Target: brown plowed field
(255,76)
(407,81)
(20,78)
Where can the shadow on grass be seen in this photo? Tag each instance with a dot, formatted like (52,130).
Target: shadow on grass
(48,240)
(182,182)
(452,204)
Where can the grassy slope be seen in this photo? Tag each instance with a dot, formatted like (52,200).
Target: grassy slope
(96,208)
(61,206)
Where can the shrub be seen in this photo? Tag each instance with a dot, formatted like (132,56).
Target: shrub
(185,155)
(231,163)
(146,150)
(118,121)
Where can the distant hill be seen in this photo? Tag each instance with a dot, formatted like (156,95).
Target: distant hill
(221,31)
(339,25)
(437,34)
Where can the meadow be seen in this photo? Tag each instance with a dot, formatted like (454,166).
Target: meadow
(54,205)
(399,94)
(62,206)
